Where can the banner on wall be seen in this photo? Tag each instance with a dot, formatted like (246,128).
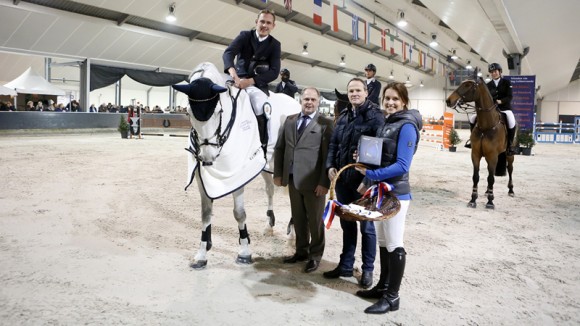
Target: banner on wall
(523,100)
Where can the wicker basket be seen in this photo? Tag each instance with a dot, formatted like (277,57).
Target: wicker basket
(390,205)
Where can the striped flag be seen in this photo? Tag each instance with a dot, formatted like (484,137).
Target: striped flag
(384,39)
(404,50)
(335,18)
(317,14)
(420,57)
(367,32)
(355,27)
(288,5)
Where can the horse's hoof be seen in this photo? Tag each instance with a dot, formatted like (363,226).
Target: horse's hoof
(511,194)
(490,206)
(271,217)
(198,265)
(472,205)
(244,260)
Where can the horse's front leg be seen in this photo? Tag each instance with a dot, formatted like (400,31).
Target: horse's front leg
(510,169)
(491,164)
(200,259)
(269,181)
(475,178)
(244,254)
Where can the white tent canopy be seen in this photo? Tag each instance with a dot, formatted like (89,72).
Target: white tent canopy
(32,83)
(7,91)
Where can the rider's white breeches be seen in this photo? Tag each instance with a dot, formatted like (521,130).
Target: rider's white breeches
(258,98)
(511,120)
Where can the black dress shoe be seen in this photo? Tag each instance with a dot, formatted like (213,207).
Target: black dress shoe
(366,280)
(311,266)
(294,258)
(336,273)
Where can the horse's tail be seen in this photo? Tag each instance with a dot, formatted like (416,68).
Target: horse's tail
(501,167)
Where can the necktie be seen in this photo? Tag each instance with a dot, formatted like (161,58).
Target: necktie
(302,126)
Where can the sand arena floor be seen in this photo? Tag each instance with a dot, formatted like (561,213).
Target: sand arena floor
(98,230)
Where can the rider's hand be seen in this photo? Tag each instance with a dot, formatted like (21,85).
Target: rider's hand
(332,173)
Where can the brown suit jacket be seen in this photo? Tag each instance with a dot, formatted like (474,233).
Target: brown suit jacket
(305,156)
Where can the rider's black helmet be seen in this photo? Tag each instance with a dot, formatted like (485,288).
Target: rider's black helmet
(372,67)
(494,66)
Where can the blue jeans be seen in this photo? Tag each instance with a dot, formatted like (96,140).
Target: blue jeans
(346,194)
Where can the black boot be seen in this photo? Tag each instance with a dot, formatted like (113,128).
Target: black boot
(390,299)
(511,132)
(263,131)
(378,290)
(468,142)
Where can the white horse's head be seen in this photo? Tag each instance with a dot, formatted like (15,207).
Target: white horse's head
(207,103)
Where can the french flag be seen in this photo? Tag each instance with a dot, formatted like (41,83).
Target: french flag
(317,14)
(328,215)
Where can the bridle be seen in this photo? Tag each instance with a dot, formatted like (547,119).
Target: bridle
(219,136)
(463,104)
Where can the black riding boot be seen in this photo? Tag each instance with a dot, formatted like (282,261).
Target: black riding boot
(263,131)
(390,299)
(511,132)
(378,290)
(468,142)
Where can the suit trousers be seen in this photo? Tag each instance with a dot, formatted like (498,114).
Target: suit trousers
(346,194)
(307,210)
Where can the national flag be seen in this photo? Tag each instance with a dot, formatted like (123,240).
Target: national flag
(410,52)
(384,39)
(335,18)
(367,32)
(404,50)
(288,5)
(355,27)
(392,44)
(317,13)
(420,57)
(328,215)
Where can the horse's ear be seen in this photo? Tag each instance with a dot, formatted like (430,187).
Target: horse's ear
(184,88)
(218,89)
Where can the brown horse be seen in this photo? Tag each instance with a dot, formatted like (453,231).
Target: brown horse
(488,138)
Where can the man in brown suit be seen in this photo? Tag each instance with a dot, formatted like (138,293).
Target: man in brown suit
(299,163)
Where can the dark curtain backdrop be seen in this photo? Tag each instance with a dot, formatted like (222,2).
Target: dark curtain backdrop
(102,76)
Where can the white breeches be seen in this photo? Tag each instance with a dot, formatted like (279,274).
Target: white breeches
(257,98)
(511,120)
(390,232)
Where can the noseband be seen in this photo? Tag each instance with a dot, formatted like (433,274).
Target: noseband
(462,102)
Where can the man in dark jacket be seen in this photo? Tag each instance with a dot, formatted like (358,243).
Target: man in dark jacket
(286,86)
(362,117)
(257,62)
(373,85)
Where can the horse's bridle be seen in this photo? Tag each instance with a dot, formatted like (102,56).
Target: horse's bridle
(462,102)
(221,137)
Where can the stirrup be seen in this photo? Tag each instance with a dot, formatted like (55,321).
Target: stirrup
(468,143)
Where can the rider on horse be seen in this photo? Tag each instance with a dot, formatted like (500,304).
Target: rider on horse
(501,91)
(257,55)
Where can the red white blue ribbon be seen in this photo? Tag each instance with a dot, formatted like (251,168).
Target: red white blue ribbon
(328,215)
(378,190)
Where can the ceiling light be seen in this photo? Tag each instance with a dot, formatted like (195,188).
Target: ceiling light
(391,75)
(434,40)
(305,49)
(421,84)
(408,82)
(487,79)
(171,16)
(342,63)
(468,67)
(401,22)
(454,56)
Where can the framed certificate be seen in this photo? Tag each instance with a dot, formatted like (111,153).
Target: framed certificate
(370,150)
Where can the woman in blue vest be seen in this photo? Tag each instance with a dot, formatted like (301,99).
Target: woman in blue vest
(400,135)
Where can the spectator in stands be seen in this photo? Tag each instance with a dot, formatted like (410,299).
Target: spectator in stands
(30,106)
(39,106)
(93,108)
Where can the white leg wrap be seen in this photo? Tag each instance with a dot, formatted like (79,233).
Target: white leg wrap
(201,252)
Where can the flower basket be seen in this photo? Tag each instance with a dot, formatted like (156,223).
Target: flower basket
(389,205)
